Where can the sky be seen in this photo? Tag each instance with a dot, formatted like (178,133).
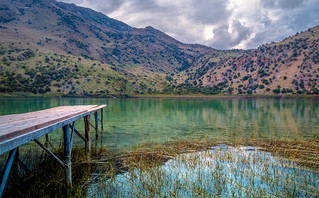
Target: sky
(221,24)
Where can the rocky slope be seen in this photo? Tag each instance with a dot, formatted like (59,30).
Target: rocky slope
(290,66)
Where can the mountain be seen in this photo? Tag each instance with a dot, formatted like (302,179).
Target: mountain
(50,26)
(53,48)
(289,66)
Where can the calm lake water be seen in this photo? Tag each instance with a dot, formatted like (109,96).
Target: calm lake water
(130,121)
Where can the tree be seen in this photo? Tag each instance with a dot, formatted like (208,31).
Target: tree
(276,91)
(230,90)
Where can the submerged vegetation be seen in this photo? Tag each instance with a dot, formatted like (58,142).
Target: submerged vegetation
(193,168)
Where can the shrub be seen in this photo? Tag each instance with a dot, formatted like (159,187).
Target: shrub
(276,91)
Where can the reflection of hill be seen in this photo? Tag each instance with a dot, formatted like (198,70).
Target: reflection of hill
(128,121)
(230,118)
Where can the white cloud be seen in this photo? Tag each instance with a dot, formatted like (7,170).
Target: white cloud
(220,24)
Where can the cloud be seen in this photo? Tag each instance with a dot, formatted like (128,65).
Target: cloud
(221,24)
(228,36)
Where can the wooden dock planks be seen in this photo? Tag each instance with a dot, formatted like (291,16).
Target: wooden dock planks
(18,129)
(19,124)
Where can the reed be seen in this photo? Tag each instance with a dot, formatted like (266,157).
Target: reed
(199,167)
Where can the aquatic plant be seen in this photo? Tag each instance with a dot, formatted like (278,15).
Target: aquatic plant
(269,168)
(191,168)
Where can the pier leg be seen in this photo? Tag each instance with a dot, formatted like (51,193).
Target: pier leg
(102,119)
(46,140)
(67,153)
(7,170)
(96,125)
(72,133)
(15,168)
(87,134)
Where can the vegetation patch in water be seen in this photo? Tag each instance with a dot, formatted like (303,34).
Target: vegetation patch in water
(220,170)
(188,168)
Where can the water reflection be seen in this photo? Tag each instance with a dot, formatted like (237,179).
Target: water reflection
(129,121)
(222,171)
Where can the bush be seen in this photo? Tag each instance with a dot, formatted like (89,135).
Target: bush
(42,91)
(276,91)
(47,89)
(265,81)
(245,78)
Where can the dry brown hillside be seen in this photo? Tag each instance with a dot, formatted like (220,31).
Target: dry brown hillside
(290,66)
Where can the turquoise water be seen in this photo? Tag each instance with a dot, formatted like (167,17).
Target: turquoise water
(130,121)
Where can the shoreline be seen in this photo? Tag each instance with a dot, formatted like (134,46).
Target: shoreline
(169,96)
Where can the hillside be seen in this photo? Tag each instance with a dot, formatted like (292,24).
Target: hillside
(290,66)
(25,72)
(50,26)
(52,48)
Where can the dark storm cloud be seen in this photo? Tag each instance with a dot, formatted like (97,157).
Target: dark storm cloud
(221,24)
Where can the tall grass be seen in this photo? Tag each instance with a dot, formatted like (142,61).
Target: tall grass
(182,168)
(199,168)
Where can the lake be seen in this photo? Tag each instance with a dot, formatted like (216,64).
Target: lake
(217,171)
(131,121)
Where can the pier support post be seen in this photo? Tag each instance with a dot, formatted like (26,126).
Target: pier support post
(96,125)
(87,134)
(46,140)
(7,169)
(67,153)
(102,119)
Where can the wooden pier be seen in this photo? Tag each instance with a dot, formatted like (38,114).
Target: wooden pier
(19,129)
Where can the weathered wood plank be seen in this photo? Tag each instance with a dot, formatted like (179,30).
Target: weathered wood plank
(96,108)
(40,117)
(28,122)
(29,126)
(7,145)
(31,115)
